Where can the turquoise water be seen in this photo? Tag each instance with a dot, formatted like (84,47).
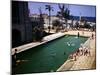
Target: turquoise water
(48,57)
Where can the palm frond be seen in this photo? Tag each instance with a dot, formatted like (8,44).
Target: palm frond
(59,6)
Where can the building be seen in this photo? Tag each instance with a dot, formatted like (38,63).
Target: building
(21,26)
(37,20)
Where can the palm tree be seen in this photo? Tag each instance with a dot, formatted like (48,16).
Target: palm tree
(41,18)
(63,13)
(49,8)
(56,24)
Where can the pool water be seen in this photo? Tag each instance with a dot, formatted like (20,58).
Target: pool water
(48,57)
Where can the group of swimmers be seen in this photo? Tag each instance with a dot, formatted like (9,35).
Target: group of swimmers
(81,51)
(70,44)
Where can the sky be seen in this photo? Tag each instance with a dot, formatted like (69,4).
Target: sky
(75,10)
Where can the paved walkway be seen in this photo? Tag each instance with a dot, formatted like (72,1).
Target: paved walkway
(82,33)
(82,62)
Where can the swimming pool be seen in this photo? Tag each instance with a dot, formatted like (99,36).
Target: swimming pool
(49,56)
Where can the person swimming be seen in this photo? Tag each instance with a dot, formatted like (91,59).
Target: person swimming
(53,55)
(68,43)
(72,44)
(64,53)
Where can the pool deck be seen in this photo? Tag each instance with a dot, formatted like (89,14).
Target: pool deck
(82,33)
(82,62)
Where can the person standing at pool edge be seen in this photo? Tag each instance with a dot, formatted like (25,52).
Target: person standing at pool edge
(92,36)
(15,57)
(78,34)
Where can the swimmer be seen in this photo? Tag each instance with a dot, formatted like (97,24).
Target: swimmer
(68,43)
(73,44)
(64,53)
(70,56)
(21,61)
(54,54)
(76,37)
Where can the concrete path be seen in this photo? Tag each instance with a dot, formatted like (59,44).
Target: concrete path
(82,33)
